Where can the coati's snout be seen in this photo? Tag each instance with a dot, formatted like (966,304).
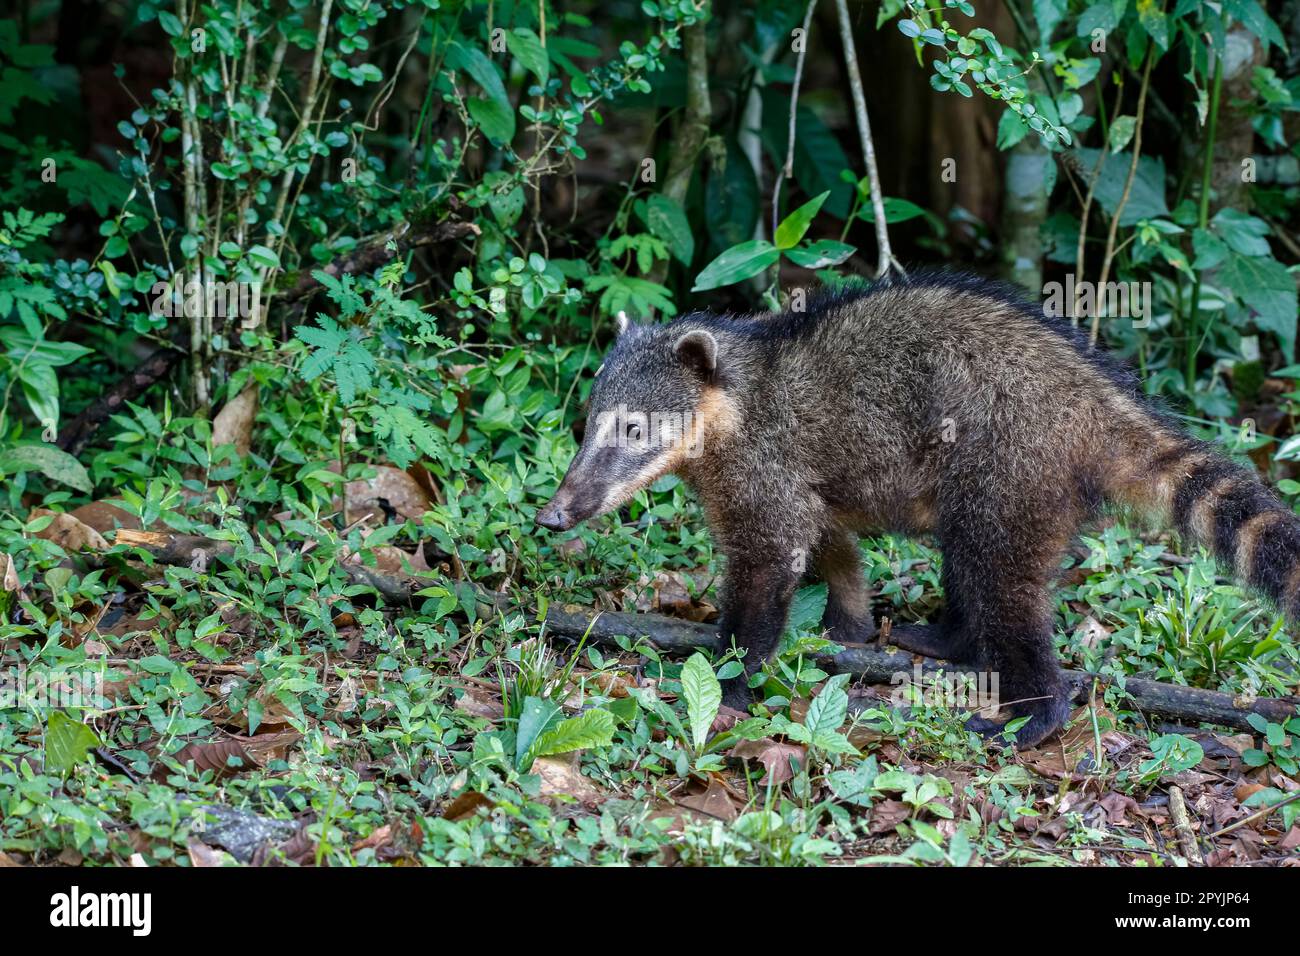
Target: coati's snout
(645,420)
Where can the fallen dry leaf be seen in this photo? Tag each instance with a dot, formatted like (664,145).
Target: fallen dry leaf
(214,756)
(561,777)
(715,801)
(392,492)
(465,804)
(233,425)
(69,533)
(205,856)
(774,755)
(105,516)
(886,815)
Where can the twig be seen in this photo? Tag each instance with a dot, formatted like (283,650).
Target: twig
(1128,188)
(788,169)
(1258,815)
(1183,827)
(885,257)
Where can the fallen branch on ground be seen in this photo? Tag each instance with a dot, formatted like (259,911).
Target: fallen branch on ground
(872,664)
(878,665)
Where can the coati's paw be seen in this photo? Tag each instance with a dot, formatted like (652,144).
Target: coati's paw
(850,631)
(1045,718)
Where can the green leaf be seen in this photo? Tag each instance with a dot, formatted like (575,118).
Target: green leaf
(1121,132)
(170,23)
(41,387)
(740,262)
(1146,199)
(793,227)
(703,696)
(594,728)
(1253,18)
(1243,233)
(335,348)
(495,115)
(818,156)
(54,463)
(667,220)
(67,743)
(807,608)
(828,710)
(264,257)
(731,201)
(537,714)
(525,46)
(896,210)
(1269,289)
(820,254)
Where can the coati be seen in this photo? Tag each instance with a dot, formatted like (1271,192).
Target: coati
(942,404)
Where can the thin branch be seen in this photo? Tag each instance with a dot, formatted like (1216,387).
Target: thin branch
(788,169)
(885,258)
(1128,188)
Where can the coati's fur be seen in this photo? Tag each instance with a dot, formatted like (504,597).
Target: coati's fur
(940,403)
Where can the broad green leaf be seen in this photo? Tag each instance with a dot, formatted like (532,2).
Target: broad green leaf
(807,608)
(740,262)
(41,387)
(594,728)
(525,46)
(1121,132)
(170,23)
(829,709)
(54,463)
(495,113)
(24,347)
(820,254)
(67,743)
(1146,199)
(1269,289)
(818,156)
(793,227)
(731,200)
(896,210)
(667,220)
(538,713)
(703,696)
(1242,232)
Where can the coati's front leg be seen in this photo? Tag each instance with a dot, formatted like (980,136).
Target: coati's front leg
(756,594)
(838,562)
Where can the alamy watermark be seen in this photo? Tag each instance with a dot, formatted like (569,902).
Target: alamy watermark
(50,688)
(955,690)
(208,298)
(1116,300)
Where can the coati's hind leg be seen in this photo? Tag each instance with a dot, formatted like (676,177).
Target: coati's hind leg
(838,562)
(948,638)
(1000,566)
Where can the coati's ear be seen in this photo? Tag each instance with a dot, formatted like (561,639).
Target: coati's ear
(622,322)
(698,350)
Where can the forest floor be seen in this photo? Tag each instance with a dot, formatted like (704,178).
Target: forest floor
(236,728)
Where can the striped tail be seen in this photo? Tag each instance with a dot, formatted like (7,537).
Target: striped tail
(1229,510)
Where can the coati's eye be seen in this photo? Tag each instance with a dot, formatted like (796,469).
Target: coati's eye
(633,431)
